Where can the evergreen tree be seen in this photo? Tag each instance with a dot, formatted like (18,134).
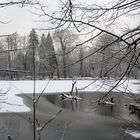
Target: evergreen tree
(43,62)
(47,57)
(51,55)
(32,45)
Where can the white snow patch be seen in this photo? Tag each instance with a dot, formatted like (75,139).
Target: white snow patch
(108,103)
(10,102)
(133,133)
(71,97)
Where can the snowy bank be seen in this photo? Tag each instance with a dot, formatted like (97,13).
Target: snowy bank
(9,102)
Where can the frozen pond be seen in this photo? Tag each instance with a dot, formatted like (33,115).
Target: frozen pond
(80,120)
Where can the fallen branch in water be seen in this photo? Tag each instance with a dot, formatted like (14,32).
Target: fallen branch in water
(39,129)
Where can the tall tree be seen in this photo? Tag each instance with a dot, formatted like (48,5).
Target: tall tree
(32,44)
(47,58)
(3,56)
(66,39)
(20,61)
(43,62)
(81,62)
(51,55)
(107,54)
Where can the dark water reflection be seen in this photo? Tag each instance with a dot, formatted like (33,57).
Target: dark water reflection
(88,104)
(80,120)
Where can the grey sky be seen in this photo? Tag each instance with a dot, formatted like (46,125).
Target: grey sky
(21,20)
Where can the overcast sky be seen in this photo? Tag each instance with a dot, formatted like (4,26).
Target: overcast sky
(21,20)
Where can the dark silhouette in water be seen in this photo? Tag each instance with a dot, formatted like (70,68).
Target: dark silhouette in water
(112,100)
(10,138)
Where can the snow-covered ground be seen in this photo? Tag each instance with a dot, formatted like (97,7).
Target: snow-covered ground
(9,102)
(133,133)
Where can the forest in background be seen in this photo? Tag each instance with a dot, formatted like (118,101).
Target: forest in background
(56,56)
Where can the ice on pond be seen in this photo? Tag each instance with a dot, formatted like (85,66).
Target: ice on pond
(133,133)
(10,102)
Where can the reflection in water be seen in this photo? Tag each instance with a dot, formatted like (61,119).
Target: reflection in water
(72,104)
(12,126)
(73,125)
(88,105)
(6,128)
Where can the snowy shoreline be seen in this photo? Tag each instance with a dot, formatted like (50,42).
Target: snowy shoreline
(10,102)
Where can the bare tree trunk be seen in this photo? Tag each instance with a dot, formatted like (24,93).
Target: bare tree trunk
(64,66)
(64,58)
(9,58)
(57,69)
(102,66)
(34,97)
(81,62)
